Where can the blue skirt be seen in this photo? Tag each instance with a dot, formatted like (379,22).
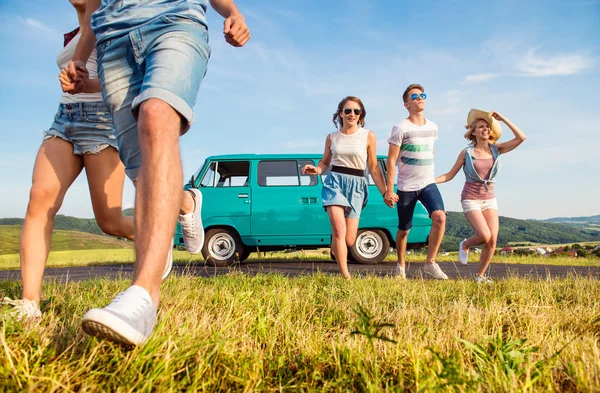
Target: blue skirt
(350,192)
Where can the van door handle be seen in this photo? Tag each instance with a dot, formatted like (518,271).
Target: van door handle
(242,195)
(309,200)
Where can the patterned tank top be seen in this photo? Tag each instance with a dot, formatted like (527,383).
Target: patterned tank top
(349,151)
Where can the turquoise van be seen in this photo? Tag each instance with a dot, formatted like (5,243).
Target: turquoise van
(263,202)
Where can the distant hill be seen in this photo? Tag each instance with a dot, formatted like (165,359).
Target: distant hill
(516,231)
(67,223)
(511,229)
(61,240)
(575,220)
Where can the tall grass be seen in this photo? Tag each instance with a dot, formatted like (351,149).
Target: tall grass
(272,333)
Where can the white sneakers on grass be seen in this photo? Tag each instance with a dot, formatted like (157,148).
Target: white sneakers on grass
(483,280)
(433,269)
(191,225)
(463,256)
(23,309)
(399,272)
(129,319)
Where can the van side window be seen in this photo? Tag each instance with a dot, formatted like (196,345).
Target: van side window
(227,174)
(209,176)
(307,180)
(278,173)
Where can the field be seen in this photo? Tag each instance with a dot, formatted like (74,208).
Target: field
(318,333)
(61,240)
(114,256)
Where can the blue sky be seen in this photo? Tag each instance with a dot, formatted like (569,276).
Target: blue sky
(536,62)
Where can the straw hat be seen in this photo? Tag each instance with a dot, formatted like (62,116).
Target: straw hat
(475,114)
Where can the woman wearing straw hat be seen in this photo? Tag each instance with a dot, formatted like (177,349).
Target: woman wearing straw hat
(480,163)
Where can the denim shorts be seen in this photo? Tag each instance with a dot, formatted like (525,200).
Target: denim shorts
(350,192)
(429,196)
(479,204)
(165,59)
(86,125)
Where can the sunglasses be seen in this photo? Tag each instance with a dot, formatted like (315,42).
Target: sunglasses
(415,96)
(348,111)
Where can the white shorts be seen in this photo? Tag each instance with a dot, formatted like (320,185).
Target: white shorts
(479,204)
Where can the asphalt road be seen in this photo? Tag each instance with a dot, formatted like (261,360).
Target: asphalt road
(293,268)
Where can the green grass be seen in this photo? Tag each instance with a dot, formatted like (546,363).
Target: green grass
(61,240)
(117,256)
(318,333)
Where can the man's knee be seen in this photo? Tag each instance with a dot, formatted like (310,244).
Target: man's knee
(154,113)
(438,218)
(402,234)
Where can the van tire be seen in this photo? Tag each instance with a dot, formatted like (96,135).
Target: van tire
(370,248)
(222,247)
(245,254)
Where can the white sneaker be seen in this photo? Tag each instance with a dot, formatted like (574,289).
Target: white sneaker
(463,256)
(399,272)
(483,280)
(191,225)
(169,264)
(129,319)
(433,269)
(23,308)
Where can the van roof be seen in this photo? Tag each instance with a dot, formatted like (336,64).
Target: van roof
(269,156)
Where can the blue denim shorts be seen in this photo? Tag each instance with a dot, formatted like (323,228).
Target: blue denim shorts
(350,192)
(429,196)
(86,125)
(165,59)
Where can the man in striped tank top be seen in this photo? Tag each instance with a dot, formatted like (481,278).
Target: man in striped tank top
(411,148)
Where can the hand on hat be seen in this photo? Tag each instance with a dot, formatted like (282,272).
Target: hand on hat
(497,116)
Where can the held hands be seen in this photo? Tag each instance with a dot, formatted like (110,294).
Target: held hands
(311,170)
(74,78)
(390,198)
(235,30)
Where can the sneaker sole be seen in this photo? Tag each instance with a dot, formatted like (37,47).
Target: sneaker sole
(169,266)
(199,227)
(104,325)
(437,278)
(459,250)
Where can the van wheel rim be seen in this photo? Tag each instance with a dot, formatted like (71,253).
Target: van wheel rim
(369,244)
(221,246)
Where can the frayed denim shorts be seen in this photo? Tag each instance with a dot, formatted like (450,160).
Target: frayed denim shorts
(164,59)
(350,192)
(86,125)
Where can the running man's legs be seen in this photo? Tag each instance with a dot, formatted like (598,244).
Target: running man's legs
(431,198)
(407,200)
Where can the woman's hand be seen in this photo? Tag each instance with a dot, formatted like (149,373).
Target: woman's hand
(311,170)
(498,116)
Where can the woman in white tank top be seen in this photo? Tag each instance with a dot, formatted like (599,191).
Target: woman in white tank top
(349,151)
(82,136)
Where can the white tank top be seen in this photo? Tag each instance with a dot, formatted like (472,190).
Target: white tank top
(64,58)
(349,151)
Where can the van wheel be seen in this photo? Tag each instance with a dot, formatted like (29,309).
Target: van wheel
(222,247)
(245,254)
(370,248)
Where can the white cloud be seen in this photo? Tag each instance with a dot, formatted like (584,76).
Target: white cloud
(477,78)
(37,24)
(532,64)
(452,103)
